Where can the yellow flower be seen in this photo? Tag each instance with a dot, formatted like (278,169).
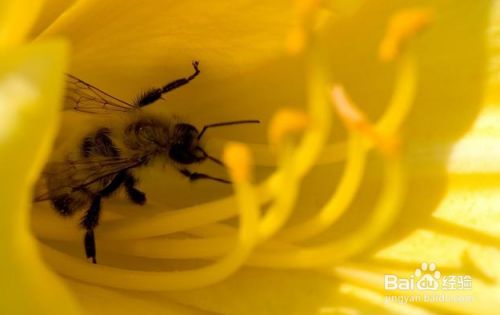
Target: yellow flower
(357,180)
(31,86)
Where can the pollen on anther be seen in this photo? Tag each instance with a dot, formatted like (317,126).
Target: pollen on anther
(403,26)
(287,122)
(296,41)
(350,114)
(355,119)
(238,159)
(297,37)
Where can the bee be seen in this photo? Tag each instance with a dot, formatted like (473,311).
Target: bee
(106,159)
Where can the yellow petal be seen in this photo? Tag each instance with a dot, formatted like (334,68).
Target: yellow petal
(99,300)
(30,94)
(49,12)
(343,7)
(255,291)
(113,59)
(125,45)
(16,19)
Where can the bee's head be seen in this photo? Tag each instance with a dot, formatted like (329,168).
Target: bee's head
(185,146)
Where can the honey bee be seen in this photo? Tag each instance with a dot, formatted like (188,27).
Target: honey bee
(106,159)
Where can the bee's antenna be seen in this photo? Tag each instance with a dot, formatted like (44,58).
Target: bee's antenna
(211,158)
(222,124)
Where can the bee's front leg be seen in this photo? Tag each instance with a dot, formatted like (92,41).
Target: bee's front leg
(196,176)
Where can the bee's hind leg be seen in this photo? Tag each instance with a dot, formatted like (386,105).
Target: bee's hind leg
(91,218)
(89,222)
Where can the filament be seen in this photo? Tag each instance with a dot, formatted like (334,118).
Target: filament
(340,249)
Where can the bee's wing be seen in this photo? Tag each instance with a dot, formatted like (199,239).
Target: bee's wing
(85,97)
(59,178)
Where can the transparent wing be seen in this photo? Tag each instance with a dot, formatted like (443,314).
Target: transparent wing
(85,97)
(62,177)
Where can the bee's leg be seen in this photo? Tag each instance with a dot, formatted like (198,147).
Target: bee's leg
(195,176)
(91,218)
(133,193)
(117,181)
(155,94)
(180,82)
(89,222)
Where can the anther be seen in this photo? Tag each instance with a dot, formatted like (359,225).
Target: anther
(297,38)
(238,160)
(287,122)
(355,119)
(403,26)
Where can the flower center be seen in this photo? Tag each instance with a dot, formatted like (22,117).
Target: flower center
(299,140)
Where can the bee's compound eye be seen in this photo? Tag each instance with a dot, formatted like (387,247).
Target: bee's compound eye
(185,135)
(182,155)
(185,141)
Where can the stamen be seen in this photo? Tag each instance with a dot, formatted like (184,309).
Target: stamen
(316,136)
(294,162)
(173,248)
(289,183)
(338,250)
(394,116)
(212,230)
(403,26)
(356,120)
(168,222)
(296,40)
(298,37)
(287,122)
(194,248)
(403,96)
(341,199)
(238,159)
